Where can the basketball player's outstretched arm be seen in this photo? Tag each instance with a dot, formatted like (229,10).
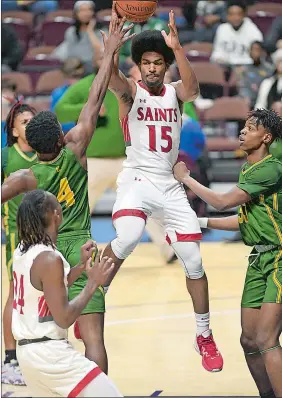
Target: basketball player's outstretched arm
(123,88)
(47,275)
(80,136)
(223,223)
(220,201)
(187,89)
(17,183)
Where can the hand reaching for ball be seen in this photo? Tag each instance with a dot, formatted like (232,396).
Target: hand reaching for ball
(172,39)
(117,35)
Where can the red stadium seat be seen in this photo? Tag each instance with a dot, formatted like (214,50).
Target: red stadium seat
(263,20)
(227,108)
(53,32)
(267,7)
(18,17)
(22,82)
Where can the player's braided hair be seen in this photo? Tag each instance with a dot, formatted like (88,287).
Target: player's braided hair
(270,120)
(17,109)
(43,132)
(32,219)
(151,41)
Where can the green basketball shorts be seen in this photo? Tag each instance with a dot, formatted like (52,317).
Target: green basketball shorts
(70,249)
(11,244)
(263,283)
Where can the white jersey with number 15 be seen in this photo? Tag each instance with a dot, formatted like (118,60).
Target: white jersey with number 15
(152,131)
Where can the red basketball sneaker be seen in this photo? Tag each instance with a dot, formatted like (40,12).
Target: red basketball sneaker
(76,331)
(212,359)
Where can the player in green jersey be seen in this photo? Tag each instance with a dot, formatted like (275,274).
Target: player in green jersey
(62,170)
(259,197)
(15,156)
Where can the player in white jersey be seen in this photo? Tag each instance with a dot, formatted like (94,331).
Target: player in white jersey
(150,113)
(41,310)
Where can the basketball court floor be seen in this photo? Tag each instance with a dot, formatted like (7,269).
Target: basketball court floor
(150,326)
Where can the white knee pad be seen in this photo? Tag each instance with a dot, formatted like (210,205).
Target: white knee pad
(129,232)
(189,255)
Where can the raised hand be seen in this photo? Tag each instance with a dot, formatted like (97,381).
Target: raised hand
(117,35)
(99,273)
(180,171)
(172,40)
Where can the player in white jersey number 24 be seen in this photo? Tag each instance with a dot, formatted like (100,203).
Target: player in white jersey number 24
(150,113)
(41,311)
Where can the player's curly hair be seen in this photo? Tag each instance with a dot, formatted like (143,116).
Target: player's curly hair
(43,132)
(17,109)
(238,3)
(270,120)
(151,41)
(32,219)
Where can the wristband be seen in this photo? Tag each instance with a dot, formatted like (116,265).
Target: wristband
(203,222)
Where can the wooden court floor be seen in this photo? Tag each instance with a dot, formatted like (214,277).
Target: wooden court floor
(150,327)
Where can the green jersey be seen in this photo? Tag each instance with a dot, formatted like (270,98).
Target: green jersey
(65,178)
(260,220)
(14,159)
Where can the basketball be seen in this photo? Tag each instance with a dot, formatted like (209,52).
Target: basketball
(135,10)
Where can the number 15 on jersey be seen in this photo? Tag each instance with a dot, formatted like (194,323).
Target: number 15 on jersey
(166,138)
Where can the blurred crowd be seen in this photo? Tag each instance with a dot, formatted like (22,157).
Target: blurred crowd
(52,49)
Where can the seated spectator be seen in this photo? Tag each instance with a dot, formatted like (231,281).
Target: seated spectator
(11,49)
(82,40)
(233,39)
(210,14)
(270,90)
(250,76)
(73,70)
(273,39)
(35,6)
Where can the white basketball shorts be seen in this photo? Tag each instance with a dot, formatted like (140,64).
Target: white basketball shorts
(142,194)
(55,369)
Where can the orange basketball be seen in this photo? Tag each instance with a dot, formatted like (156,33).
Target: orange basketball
(135,10)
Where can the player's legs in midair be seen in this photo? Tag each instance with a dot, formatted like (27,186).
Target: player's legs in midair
(184,234)
(136,199)
(10,372)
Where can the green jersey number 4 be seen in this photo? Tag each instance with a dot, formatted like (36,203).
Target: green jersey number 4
(65,193)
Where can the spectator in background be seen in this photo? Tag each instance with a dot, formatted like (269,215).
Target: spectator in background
(35,6)
(249,77)
(233,39)
(273,39)
(81,40)
(270,90)
(73,70)
(7,101)
(11,49)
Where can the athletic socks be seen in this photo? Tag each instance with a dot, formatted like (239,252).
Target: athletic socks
(10,355)
(202,322)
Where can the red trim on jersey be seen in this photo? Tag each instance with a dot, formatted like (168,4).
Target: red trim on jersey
(43,309)
(162,93)
(85,381)
(129,212)
(125,129)
(185,237)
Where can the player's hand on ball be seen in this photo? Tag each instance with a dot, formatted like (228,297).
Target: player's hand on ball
(87,251)
(99,273)
(172,40)
(117,35)
(180,171)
